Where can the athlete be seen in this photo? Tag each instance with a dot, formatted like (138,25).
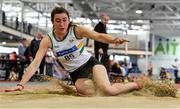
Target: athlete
(66,41)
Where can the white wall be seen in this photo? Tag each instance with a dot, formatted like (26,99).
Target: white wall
(166,50)
(8,50)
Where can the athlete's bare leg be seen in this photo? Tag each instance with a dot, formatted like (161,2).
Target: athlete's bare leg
(102,82)
(85,86)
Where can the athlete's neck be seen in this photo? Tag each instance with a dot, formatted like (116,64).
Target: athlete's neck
(59,35)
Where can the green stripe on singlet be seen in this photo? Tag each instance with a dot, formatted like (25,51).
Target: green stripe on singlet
(81,49)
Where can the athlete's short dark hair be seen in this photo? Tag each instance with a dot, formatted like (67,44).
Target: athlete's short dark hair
(58,10)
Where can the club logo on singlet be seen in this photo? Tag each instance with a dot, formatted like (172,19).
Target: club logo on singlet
(71,40)
(71,53)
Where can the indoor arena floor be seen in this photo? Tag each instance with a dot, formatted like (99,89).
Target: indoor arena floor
(44,100)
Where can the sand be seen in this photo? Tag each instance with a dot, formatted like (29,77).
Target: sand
(38,96)
(40,99)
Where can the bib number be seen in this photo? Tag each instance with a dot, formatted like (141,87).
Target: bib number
(69,57)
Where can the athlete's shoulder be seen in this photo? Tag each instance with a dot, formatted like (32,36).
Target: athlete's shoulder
(46,40)
(74,24)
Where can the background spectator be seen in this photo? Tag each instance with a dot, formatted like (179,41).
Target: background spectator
(29,28)
(176,67)
(33,48)
(100,49)
(150,69)
(3,18)
(22,47)
(21,51)
(17,23)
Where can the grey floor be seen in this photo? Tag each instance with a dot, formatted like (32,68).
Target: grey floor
(9,83)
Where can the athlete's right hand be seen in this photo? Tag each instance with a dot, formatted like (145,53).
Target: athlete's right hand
(15,88)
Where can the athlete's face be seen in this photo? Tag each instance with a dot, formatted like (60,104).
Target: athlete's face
(61,23)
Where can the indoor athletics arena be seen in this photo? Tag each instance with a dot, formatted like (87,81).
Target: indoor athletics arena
(89,53)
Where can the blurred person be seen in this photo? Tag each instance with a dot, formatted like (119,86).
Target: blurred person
(13,56)
(29,28)
(11,64)
(22,47)
(127,66)
(176,66)
(33,48)
(101,48)
(12,76)
(66,41)
(24,26)
(116,68)
(150,69)
(17,23)
(21,51)
(116,74)
(163,73)
(27,55)
(3,18)
(141,62)
(49,63)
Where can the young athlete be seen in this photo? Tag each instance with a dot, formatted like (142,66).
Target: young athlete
(66,41)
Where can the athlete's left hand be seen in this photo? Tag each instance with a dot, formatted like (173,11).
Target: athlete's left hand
(118,41)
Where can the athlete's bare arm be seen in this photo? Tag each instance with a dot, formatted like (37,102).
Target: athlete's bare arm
(32,68)
(105,38)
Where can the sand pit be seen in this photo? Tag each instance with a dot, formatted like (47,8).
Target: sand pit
(32,97)
(32,100)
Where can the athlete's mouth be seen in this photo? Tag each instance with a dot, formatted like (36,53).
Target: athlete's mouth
(61,28)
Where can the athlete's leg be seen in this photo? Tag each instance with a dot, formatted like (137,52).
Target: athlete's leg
(85,86)
(102,82)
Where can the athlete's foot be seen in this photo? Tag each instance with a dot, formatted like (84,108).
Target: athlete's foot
(141,81)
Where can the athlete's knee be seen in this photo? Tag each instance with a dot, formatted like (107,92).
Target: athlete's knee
(85,87)
(85,91)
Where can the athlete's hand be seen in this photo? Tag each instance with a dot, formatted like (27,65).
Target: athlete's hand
(118,41)
(15,88)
